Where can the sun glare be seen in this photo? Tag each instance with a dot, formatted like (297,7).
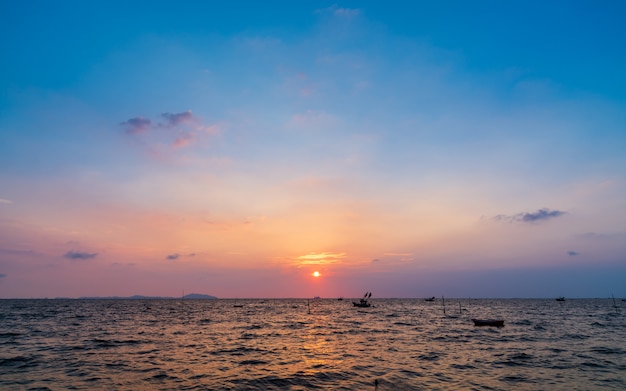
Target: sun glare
(316,274)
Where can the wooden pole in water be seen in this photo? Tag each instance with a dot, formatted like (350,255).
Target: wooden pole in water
(444,304)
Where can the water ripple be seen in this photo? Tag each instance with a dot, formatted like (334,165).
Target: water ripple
(278,345)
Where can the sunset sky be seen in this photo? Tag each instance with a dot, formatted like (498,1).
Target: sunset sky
(410,149)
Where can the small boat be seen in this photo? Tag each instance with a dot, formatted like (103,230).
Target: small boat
(488,322)
(340,299)
(430,298)
(560,298)
(363,303)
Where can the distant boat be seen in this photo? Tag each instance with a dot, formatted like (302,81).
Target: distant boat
(340,299)
(560,298)
(363,303)
(432,298)
(488,322)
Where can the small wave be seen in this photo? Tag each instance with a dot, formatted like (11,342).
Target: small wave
(432,356)
(607,350)
(575,336)
(462,366)
(108,343)
(517,359)
(162,376)
(240,351)
(515,379)
(20,362)
(10,335)
(253,362)
(591,364)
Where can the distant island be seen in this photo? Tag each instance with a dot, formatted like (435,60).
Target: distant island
(194,296)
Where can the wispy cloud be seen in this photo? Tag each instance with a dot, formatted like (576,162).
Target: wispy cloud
(322,255)
(80,255)
(137,125)
(320,258)
(2,275)
(311,118)
(573,253)
(602,236)
(531,217)
(340,11)
(5,201)
(175,119)
(175,256)
(183,141)
(177,130)
(398,254)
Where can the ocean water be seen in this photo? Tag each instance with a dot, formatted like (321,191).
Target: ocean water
(398,344)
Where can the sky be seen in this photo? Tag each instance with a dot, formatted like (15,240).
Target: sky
(410,149)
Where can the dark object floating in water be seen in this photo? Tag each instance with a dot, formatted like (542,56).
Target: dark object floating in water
(488,322)
(363,303)
(430,298)
(340,299)
(560,298)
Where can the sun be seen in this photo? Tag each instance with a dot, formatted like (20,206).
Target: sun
(316,274)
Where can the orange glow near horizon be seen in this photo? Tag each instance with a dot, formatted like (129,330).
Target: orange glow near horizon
(316,274)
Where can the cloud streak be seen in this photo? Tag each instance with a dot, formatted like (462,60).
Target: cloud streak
(320,258)
(79,255)
(531,217)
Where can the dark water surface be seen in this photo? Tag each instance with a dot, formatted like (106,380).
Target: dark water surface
(399,344)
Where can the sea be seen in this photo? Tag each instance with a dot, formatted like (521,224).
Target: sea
(315,344)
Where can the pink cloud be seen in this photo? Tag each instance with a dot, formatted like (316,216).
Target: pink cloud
(183,141)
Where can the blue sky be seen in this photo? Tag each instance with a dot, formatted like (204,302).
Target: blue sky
(410,149)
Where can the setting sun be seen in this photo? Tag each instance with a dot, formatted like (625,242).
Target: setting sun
(316,274)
